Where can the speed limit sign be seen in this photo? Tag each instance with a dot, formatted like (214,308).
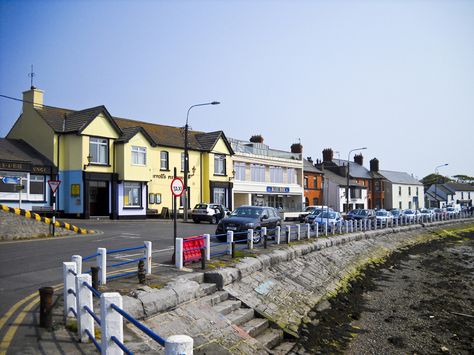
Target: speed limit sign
(177,187)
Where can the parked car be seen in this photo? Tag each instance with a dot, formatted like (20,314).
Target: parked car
(410,215)
(350,215)
(209,212)
(307,211)
(383,217)
(396,213)
(364,214)
(426,213)
(451,211)
(248,217)
(330,217)
(310,218)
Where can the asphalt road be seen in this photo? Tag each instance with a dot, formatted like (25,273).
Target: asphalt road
(26,266)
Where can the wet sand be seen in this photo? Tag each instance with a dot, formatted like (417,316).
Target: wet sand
(419,301)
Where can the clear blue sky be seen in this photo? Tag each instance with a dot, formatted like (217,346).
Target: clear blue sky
(395,76)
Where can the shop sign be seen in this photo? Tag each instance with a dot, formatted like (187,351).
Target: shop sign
(75,190)
(40,170)
(278,189)
(11,180)
(5,165)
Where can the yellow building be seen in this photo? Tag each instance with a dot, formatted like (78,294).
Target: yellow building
(119,167)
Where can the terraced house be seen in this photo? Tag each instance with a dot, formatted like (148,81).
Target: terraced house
(118,167)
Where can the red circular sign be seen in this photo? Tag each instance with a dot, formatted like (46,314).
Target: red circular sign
(177,187)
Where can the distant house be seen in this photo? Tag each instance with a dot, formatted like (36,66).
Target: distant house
(312,183)
(402,190)
(441,195)
(334,190)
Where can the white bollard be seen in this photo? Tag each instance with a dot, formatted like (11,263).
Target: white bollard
(346,225)
(316,226)
(178,258)
(278,234)
(111,323)
(102,265)
(83,299)
(148,253)
(179,344)
(230,240)
(78,260)
(250,238)
(207,241)
(263,233)
(326,229)
(298,231)
(69,284)
(333,228)
(375,224)
(288,234)
(352,226)
(308,230)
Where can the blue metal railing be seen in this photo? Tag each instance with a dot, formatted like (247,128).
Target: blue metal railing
(93,315)
(92,289)
(73,311)
(91,337)
(140,326)
(73,272)
(120,345)
(71,292)
(126,262)
(125,249)
(90,257)
(121,275)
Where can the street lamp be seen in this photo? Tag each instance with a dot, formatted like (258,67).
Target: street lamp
(348,170)
(186,158)
(436,183)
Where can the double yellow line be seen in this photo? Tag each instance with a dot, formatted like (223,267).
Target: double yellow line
(27,303)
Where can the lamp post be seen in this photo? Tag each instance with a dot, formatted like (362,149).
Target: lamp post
(348,170)
(186,158)
(436,183)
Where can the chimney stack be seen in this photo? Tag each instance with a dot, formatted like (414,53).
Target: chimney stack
(359,159)
(33,98)
(374,165)
(297,148)
(328,154)
(310,159)
(256,138)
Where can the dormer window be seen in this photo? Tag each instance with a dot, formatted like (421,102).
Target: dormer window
(99,150)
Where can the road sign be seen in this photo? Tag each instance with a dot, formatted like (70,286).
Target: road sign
(54,184)
(11,180)
(177,187)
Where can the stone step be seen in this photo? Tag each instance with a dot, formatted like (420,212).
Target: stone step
(283,349)
(255,327)
(270,338)
(240,316)
(207,289)
(227,306)
(215,298)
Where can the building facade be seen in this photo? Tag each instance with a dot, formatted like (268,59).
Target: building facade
(122,168)
(450,193)
(312,183)
(266,177)
(402,191)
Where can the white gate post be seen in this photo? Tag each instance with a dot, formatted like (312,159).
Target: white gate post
(250,238)
(111,323)
(179,344)
(207,240)
(316,226)
(148,252)
(102,265)
(178,258)
(78,260)
(326,229)
(346,226)
(84,298)
(278,234)
(69,284)
(298,231)
(308,230)
(230,240)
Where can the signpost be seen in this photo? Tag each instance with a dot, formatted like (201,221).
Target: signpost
(54,184)
(177,189)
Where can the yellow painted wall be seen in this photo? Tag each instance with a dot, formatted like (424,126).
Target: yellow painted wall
(100,127)
(206,176)
(208,168)
(35,131)
(126,169)
(71,152)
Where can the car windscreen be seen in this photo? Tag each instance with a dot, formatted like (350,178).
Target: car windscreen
(247,212)
(200,206)
(382,213)
(330,215)
(363,213)
(409,212)
(316,211)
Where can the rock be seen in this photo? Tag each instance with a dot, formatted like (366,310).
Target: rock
(444,349)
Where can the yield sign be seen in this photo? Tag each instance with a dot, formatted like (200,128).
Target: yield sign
(54,184)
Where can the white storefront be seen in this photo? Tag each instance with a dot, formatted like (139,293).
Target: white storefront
(266,177)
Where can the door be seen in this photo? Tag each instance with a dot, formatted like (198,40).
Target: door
(99,198)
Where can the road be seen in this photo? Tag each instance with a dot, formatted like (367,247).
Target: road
(26,266)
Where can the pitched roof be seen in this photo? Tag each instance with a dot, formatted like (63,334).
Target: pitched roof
(457,186)
(129,132)
(399,177)
(20,151)
(309,166)
(355,170)
(340,180)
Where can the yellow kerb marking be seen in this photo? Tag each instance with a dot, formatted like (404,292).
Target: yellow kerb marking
(47,220)
(17,211)
(27,214)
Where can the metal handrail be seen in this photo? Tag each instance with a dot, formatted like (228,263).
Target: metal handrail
(91,337)
(120,345)
(93,315)
(90,257)
(125,249)
(126,262)
(93,290)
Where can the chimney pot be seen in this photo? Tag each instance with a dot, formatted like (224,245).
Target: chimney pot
(374,165)
(328,154)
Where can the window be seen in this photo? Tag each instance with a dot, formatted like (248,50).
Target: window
(99,150)
(257,172)
(276,174)
(416,191)
(305,182)
(164,161)
(138,155)
(399,190)
(219,164)
(132,194)
(239,169)
(400,205)
(219,196)
(37,184)
(409,205)
(315,182)
(377,185)
(291,176)
(12,187)
(315,201)
(409,190)
(356,193)
(182,161)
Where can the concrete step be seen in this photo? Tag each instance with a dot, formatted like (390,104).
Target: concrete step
(240,316)
(227,306)
(215,298)
(255,327)
(270,338)
(207,289)
(283,349)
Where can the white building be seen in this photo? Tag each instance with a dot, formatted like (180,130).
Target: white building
(402,190)
(266,177)
(334,192)
(450,193)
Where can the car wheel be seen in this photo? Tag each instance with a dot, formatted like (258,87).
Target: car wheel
(213,220)
(195,220)
(257,236)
